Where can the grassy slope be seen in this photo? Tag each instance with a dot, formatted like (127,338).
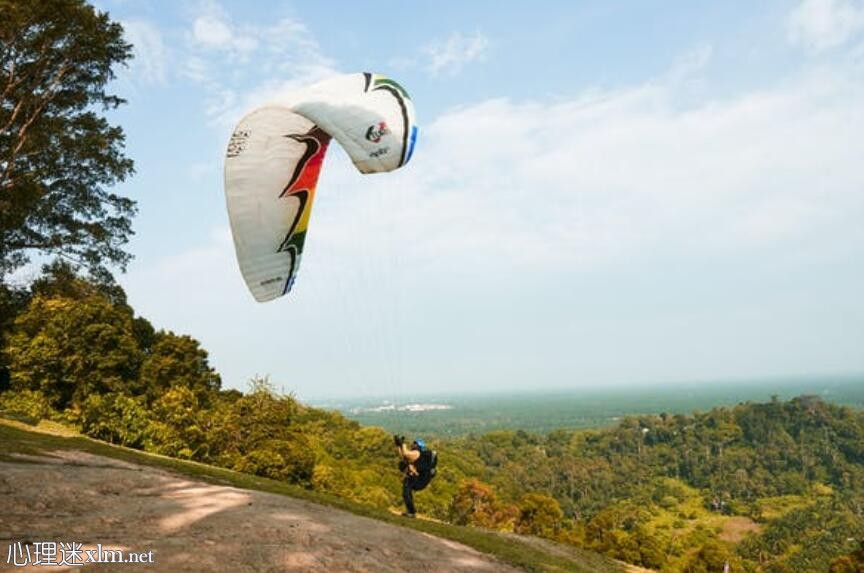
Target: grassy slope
(17,437)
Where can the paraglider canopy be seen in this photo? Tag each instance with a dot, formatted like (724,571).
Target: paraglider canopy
(275,155)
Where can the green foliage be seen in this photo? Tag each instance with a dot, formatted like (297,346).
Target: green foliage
(540,515)
(621,531)
(179,426)
(477,504)
(675,493)
(175,361)
(115,418)
(70,349)
(70,338)
(255,418)
(29,403)
(60,279)
(852,563)
(58,155)
(288,459)
(808,537)
(684,477)
(712,556)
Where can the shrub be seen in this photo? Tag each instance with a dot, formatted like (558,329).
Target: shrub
(115,418)
(31,404)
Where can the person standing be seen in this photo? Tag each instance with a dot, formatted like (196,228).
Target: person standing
(418,464)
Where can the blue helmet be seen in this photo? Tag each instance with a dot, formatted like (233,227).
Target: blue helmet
(421,445)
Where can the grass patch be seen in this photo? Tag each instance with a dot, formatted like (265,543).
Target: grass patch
(18,437)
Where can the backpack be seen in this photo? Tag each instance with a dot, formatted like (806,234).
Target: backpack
(427,464)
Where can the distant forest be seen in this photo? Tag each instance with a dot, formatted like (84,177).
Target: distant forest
(773,487)
(588,405)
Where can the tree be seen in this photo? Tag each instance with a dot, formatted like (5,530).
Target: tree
(179,425)
(177,361)
(257,434)
(476,504)
(539,514)
(69,349)
(852,563)
(254,418)
(61,278)
(58,155)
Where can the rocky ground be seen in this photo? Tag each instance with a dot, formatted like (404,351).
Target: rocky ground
(75,497)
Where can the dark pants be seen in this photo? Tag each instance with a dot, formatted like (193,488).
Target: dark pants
(409,485)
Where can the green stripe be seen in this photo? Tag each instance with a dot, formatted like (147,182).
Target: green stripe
(297,241)
(391,83)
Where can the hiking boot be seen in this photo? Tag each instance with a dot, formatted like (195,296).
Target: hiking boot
(410,515)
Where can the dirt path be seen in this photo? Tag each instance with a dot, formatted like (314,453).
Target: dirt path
(196,526)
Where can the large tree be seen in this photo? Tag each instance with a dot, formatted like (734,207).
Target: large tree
(175,361)
(59,156)
(70,349)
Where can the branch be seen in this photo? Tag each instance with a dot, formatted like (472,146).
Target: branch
(21,136)
(23,246)
(11,82)
(14,115)
(43,60)
(50,93)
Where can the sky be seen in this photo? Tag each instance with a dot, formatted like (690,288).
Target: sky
(602,193)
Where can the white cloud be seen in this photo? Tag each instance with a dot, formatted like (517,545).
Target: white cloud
(149,51)
(213,29)
(823,24)
(615,175)
(243,65)
(452,54)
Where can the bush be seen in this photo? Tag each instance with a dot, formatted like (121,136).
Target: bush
(115,418)
(31,404)
(288,460)
(177,429)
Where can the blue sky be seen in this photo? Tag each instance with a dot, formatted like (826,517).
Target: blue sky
(602,193)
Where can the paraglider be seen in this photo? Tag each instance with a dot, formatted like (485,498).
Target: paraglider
(275,155)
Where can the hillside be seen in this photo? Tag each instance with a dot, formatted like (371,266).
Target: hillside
(774,486)
(193,517)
